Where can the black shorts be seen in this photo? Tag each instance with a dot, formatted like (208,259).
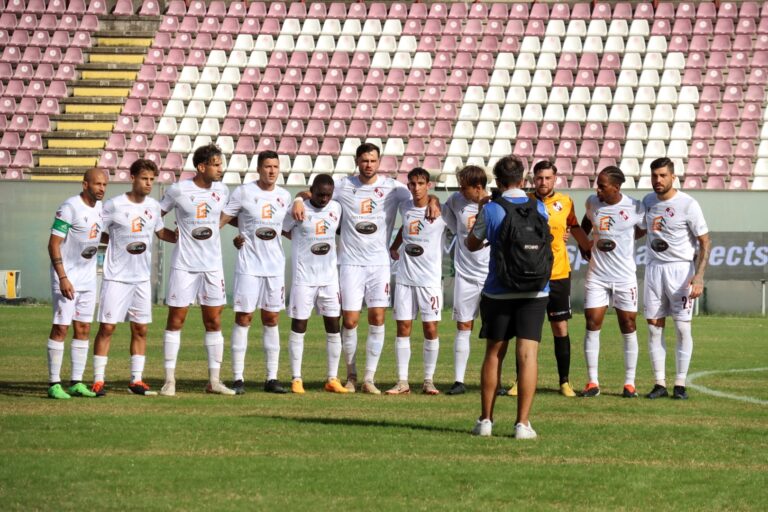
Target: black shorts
(559,305)
(504,319)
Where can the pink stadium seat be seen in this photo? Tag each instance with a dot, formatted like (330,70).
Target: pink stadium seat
(437,147)
(123,8)
(150,8)
(32,141)
(692,182)
(523,148)
(174,162)
(622,11)
(748,130)
(715,183)
(742,167)
(738,183)
(160,144)
(584,167)
(252,127)
(247,145)
(580,182)
(239,109)
(696,167)
(588,149)
(699,149)
(89,22)
(745,149)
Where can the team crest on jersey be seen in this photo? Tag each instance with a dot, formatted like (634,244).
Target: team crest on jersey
(321,227)
(624,215)
(658,223)
(279,200)
(557,206)
(267,211)
(378,192)
(606,223)
(94,232)
(148,214)
(216,196)
(59,214)
(202,211)
(415,227)
(137,224)
(333,216)
(367,206)
(669,212)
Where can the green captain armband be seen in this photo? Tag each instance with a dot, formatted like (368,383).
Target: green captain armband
(61,226)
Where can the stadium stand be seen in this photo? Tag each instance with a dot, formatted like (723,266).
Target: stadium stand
(436,84)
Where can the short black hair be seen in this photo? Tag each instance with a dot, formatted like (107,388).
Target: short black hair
(204,154)
(509,171)
(266,155)
(418,171)
(322,179)
(543,166)
(614,174)
(143,164)
(366,147)
(472,175)
(663,162)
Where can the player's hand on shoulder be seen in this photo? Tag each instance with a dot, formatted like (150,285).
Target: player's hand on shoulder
(297,210)
(433,208)
(238,241)
(394,253)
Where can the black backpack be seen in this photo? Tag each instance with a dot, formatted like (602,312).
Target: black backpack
(523,251)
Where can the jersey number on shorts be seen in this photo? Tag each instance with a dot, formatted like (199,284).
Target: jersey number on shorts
(434,301)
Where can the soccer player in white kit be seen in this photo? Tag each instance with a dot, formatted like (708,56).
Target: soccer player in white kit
(260,207)
(369,205)
(460,211)
(72,247)
(315,279)
(674,276)
(196,264)
(131,221)
(418,249)
(614,220)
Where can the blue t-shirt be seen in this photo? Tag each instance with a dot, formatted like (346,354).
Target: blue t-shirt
(487,227)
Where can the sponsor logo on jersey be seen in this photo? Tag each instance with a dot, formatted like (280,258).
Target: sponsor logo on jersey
(202,211)
(265,233)
(137,224)
(366,228)
(415,227)
(321,227)
(267,211)
(94,232)
(659,245)
(202,233)
(367,206)
(624,215)
(605,223)
(658,223)
(414,250)
(606,245)
(89,252)
(320,249)
(136,247)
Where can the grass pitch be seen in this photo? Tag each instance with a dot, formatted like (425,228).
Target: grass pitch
(327,452)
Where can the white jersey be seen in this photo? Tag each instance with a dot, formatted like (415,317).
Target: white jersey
(197,216)
(260,215)
(460,214)
(313,254)
(80,226)
(421,254)
(613,234)
(131,227)
(673,226)
(369,213)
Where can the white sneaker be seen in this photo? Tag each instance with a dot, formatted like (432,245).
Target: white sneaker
(524,431)
(483,428)
(169,388)
(218,388)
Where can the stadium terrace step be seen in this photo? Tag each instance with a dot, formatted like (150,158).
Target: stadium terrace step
(126,33)
(104,83)
(85,126)
(67,161)
(75,146)
(98,66)
(68,152)
(93,108)
(60,174)
(112,50)
(76,134)
(125,42)
(112,75)
(75,117)
(114,58)
(121,92)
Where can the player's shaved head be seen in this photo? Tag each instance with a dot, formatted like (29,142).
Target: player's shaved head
(91,174)
(322,179)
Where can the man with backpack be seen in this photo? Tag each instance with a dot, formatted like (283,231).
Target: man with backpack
(516,291)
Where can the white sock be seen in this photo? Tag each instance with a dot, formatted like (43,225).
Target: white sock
(630,357)
(271,341)
(214,346)
(239,343)
(373,346)
(431,350)
(460,354)
(657,350)
(592,353)
(137,367)
(79,357)
(99,368)
(402,356)
(55,358)
(333,345)
(349,344)
(295,353)
(171,344)
(683,351)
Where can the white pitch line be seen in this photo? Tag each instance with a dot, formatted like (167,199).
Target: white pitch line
(720,394)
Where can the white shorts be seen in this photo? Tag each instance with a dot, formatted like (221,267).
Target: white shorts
(666,290)
(259,292)
(466,299)
(326,299)
(622,296)
(369,283)
(207,287)
(80,309)
(410,300)
(121,301)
